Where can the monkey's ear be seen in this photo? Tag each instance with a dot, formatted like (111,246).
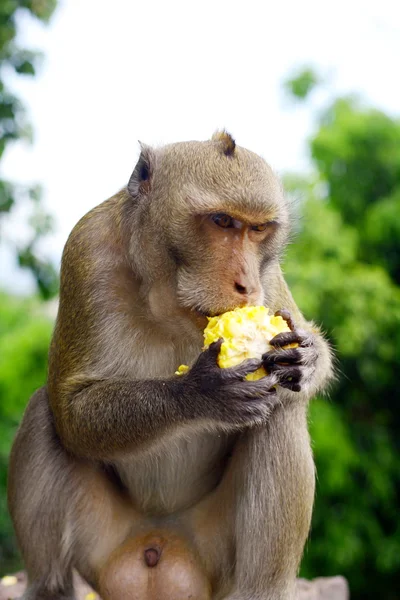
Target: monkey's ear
(140,181)
(227,142)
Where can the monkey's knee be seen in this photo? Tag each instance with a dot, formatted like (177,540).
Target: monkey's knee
(158,565)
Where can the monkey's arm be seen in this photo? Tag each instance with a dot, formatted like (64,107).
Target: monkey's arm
(109,418)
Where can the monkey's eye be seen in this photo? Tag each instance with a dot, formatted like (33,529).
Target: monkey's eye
(222,220)
(261,227)
(264,226)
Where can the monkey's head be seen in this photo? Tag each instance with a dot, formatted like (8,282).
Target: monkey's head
(211,219)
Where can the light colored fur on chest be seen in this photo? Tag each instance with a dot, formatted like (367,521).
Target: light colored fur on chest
(146,349)
(177,471)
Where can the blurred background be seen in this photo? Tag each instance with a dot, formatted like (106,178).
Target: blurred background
(311,86)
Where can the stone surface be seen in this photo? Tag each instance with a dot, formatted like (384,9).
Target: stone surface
(12,592)
(322,588)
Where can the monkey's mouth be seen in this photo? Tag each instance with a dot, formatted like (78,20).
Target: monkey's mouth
(214,313)
(202,313)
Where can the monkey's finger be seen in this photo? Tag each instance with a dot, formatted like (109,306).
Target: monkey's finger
(286,316)
(292,386)
(254,393)
(286,373)
(252,409)
(211,353)
(289,377)
(265,385)
(215,347)
(240,371)
(290,356)
(289,337)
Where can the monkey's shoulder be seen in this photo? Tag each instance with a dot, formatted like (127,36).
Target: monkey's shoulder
(101,224)
(96,242)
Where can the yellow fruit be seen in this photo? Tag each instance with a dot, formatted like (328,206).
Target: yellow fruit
(182,369)
(246,332)
(8,580)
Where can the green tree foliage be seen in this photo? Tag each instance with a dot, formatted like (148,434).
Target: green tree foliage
(24,341)
(344,271)
(302,83)
(13,127)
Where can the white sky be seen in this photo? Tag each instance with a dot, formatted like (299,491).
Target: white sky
(163,71)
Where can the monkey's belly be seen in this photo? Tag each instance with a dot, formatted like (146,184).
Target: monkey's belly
(176,473)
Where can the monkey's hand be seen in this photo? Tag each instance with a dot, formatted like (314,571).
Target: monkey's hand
(225,396)
(298,368)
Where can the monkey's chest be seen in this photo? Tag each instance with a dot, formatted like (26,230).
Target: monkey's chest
(176,473)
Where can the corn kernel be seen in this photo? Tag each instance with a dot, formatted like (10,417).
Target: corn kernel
(8,580)
(182,369)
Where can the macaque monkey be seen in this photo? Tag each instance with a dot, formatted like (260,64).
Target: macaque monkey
(154,486)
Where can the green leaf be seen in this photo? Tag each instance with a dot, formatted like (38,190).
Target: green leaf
(302,83)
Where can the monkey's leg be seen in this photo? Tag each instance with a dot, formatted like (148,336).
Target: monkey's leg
(264,505)
(66,513)
(156,565)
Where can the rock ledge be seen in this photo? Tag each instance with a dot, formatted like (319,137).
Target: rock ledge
(322,588)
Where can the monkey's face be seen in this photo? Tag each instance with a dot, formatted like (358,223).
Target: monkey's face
(217,221)
(219,267)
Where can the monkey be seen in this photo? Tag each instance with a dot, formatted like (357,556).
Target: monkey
(149,484)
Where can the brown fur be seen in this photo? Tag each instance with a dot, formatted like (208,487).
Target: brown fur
(116,447)
(226,140)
